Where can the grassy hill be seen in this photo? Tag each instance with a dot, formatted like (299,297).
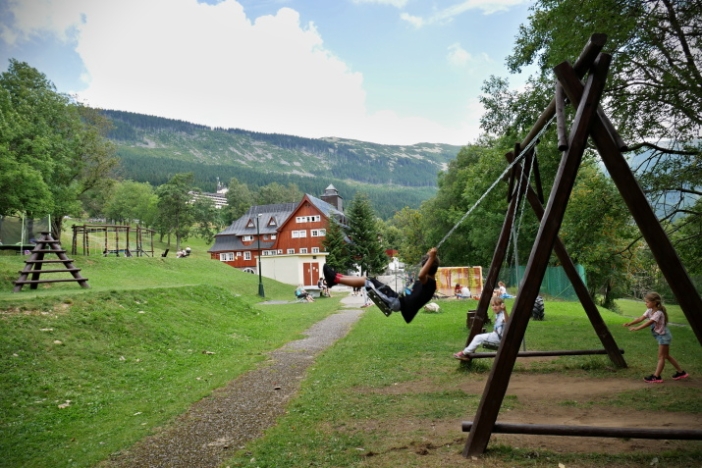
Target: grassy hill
(87,372)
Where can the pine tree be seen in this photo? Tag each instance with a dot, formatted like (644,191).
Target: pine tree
(366,248)
(335,244)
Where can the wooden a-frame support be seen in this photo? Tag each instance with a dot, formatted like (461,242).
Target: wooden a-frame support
(33,265)
(589,121)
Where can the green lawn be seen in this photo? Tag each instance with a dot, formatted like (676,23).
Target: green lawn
(86,373)
(149,337)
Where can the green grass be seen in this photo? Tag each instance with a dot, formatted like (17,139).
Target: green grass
(383,387)
(130,357)
(149,338)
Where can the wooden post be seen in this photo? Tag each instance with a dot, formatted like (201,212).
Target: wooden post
(494,271)
(560,118)
(656,238)
(594,431)
(593,314)
(582,64)
(498,380)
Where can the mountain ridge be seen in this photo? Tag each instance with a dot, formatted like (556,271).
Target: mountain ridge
(151,148)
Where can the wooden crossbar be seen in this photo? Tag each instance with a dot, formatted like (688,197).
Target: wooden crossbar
(566,352)
(592,431)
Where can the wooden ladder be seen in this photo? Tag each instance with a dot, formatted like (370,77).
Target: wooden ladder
(47,245)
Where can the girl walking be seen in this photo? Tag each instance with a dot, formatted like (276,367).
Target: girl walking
(656,317)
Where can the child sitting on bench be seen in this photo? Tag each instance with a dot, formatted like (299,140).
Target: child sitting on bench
(501,316)
(388,300)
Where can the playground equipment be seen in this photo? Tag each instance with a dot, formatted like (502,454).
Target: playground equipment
(33,266)
(589,121)
(105,239)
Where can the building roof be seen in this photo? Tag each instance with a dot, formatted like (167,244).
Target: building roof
(233,243)
(272,217)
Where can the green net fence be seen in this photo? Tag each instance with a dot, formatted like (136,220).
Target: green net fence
(555,283)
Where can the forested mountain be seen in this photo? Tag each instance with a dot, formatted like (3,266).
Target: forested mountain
(152,149)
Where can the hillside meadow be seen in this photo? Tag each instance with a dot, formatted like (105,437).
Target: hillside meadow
(88,372)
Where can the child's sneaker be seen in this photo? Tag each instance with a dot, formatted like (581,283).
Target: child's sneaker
(680,375)
(329,275)
(460,356)
(653,379)
(387,290)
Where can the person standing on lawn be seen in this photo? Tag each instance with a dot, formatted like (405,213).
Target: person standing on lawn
(656,317)
(423,288)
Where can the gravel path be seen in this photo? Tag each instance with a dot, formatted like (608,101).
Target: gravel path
(213,428)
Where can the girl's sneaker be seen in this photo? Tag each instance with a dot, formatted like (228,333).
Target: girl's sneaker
(680,375)
(461,356)
(653,379)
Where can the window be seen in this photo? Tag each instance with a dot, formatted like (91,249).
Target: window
(303,250)
(291,251)
(247,255)
(265,253)
(226,257)
(238,254)
(280,252)
(299,234)
(247,238)
(308,219)
(319,232)
(315,249)
(272,236)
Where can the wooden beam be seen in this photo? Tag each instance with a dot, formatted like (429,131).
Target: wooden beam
(564,352)
(593,314)
(560,118)
(587,57)
(662,249)
(593,431)
(492,275)
(498,380)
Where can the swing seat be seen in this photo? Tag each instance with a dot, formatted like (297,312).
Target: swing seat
(493,345)
(384,308)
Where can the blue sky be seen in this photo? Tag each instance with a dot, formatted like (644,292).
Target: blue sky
(386,71)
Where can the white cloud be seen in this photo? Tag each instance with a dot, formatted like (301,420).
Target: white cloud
(457,55)
(212,65)
(415,21)
(30,17)
(395,3)
(447,14)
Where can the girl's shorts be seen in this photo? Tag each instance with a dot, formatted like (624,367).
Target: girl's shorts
(663,339)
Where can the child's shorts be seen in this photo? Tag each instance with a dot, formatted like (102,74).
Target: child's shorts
(663,339)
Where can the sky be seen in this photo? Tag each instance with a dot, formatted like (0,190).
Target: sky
(385,71)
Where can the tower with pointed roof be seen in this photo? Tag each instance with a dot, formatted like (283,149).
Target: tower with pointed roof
(331,196)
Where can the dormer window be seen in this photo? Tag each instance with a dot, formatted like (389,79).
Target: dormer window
(272,222)
(250,224)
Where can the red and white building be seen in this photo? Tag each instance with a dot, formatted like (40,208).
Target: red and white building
(289,237)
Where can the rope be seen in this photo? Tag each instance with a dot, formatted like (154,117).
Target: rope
(521,155)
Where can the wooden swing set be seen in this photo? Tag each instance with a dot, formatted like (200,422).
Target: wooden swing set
(589,121)
(111,232)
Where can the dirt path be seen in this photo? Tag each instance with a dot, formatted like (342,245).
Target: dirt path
(541,402)
(215,427)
